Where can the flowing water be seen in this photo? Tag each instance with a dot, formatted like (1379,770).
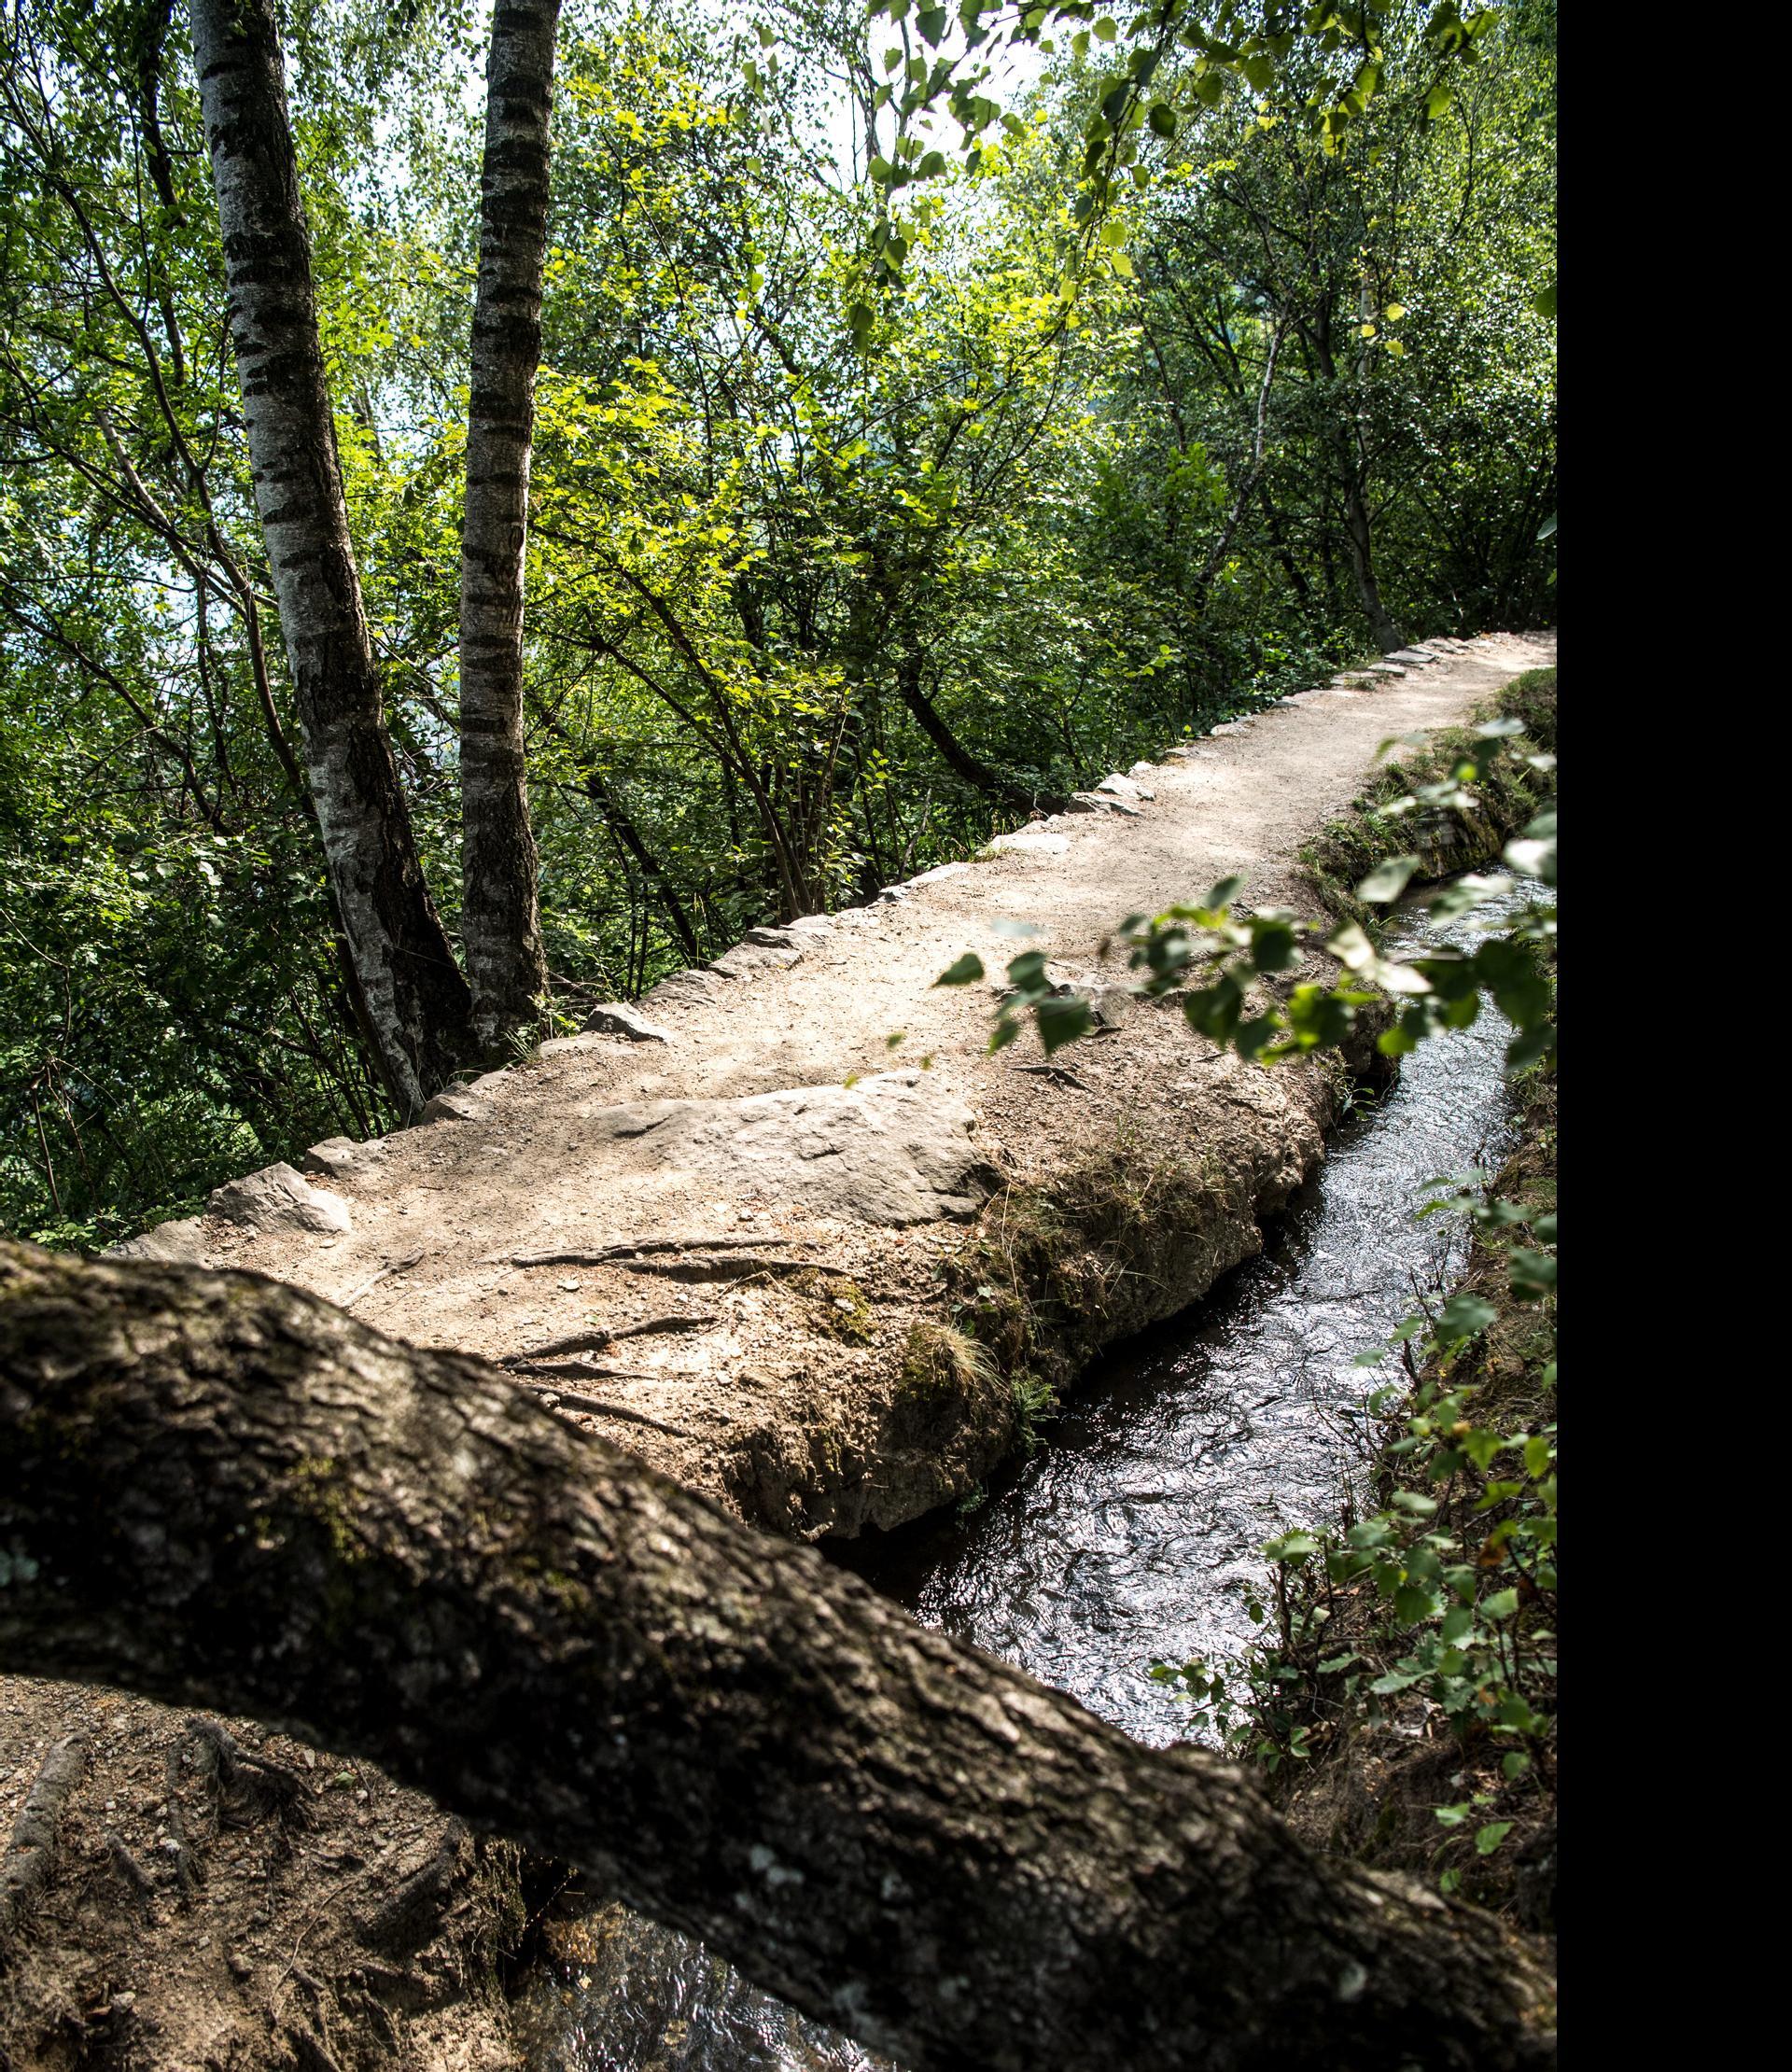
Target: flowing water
(1133,1533)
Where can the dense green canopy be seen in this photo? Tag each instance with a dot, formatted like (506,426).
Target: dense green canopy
(829,576)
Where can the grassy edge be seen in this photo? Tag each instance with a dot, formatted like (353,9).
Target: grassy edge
(1447,841)
(1368,1785)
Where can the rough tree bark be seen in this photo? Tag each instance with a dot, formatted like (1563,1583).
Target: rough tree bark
(418,1003)
(218,1491)
(501,924)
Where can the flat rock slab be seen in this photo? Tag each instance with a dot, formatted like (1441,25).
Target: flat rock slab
(682,989)
(455,1104)
(615,1019)
(338,1158)
(746,959)
(1029,841)
(890,1150)
(279,1199)
(181,1244)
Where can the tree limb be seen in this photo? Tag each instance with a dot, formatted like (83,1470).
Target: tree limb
(218,1491)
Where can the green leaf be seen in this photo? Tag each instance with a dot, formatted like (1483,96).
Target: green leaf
(1413,1605)
(1274,945)
(1487,1839)
(1533,857)
(1396,1680)
(1352,948)
(966,972)
(1464,1315)
(1388,880)
(1062,1021)
(1533,1273)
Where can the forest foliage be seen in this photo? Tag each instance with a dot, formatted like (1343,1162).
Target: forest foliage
(841,556)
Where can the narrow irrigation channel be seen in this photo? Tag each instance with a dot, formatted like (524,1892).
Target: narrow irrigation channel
(1133,1533)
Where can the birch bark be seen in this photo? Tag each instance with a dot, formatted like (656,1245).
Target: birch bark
(417,1002)
(502,925)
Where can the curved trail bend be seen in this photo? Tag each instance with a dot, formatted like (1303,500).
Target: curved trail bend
(770,1361)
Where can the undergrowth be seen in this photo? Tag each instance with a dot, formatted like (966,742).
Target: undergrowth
(1403,1701)
(1448,839)
(1402,1704)
(1059,1268)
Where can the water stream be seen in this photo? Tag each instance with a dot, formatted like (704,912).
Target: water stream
(1133,1533)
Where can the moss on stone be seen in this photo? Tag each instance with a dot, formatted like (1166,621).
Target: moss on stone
(1445,839)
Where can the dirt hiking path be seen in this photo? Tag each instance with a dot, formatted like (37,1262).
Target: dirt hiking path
(715,1248)
(785,1262)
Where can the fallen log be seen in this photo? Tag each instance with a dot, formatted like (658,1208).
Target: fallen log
(221,1491)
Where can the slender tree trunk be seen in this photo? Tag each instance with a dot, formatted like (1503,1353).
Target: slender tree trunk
(218,1489)
(875,618)
(417,1002)
(1352,484)
(1250,475)
(603,795)
(972,768)
(501,924)
(1360,545)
